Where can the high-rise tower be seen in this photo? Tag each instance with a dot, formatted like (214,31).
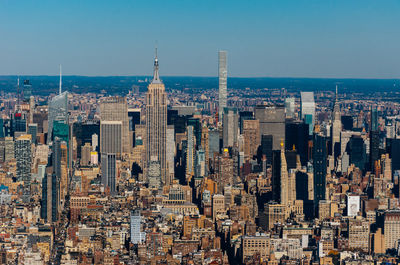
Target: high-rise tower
(336,127)
(156,122)
(222,75)
(284,178)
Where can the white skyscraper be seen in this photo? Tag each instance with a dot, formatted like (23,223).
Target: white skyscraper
(222,75)
(336,126)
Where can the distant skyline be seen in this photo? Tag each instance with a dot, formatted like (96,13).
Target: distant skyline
(305,38)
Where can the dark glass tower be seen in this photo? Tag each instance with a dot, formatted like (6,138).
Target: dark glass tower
(319,164)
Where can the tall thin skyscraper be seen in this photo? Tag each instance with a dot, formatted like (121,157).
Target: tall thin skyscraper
(284,178)
(319,165)
(156,122)
(190,153)
(222,76)
(336,127)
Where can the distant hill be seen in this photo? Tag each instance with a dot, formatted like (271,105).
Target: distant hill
(44,85)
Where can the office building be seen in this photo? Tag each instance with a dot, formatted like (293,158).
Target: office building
(290,107)
(319,166)
(137,236)
(115,109)
(58,111)
(359,234)
(108,172)
(111,139)
(156,122)
(23,156)
(230,127)
(392,229)
(307,107)
(272,122)
(252,139)
(86,154)
(33,130)
(190,153)
(170,154)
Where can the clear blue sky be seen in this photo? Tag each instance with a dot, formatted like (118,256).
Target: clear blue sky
(275,38)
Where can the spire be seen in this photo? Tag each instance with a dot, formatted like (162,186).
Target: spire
(60,81)
(336,106)
(336,94)
(156,77)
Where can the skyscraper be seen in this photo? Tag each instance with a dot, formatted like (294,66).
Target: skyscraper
(319,165)
(336,127)
(272,122)
(108,171)
(230,127)
(374,138)
(156,122)
(23,155)
(290,107)
(190,153)
(308,109)
(284,178)
(111,137)
(251,132)
(116,109)
(222,84)
(170,154)
(58,111)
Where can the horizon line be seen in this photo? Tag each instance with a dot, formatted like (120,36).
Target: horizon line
(206,76)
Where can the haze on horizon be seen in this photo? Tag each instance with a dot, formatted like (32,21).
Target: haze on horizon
(333,39)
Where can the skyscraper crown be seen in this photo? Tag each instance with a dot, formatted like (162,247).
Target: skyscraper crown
(156,77)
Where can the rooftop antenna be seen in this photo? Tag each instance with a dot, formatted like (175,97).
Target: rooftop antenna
(60,80)
(18,92)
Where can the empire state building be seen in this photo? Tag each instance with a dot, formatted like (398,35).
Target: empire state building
(156,122)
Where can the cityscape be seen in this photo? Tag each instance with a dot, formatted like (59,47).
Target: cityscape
(193,169)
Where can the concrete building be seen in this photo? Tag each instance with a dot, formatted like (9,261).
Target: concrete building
(358,234)
(272,122)
(392,229)
(115,109)
(252,138)
(256,245)
(230,127)
(222,82)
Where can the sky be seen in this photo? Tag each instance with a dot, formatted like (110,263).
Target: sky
(266,38)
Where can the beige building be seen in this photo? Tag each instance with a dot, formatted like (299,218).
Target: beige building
(85,154)
(276,213)
(218,205)
(392,229)
(251,132)
(116,109)
(358,234)
(156,122)
(256,244)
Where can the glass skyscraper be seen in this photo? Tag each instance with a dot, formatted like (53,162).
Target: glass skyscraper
(58,110)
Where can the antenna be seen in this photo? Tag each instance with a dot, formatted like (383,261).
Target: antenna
(60,80)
